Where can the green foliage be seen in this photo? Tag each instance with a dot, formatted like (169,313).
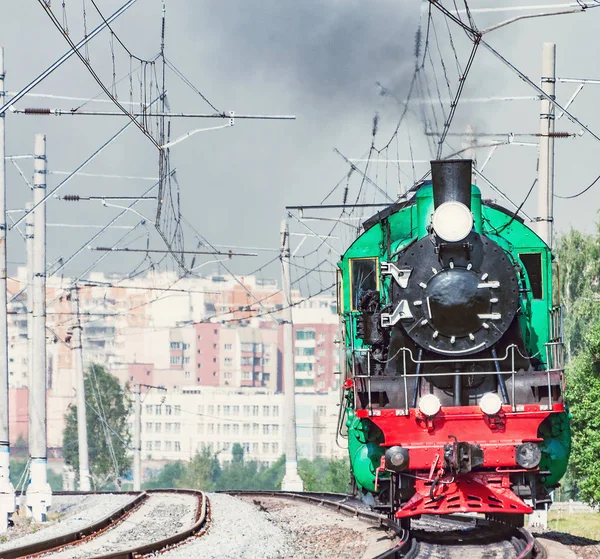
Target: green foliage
(583,393)
(204,472)
(325,475)
(169,477)
(579,260)
(108,406)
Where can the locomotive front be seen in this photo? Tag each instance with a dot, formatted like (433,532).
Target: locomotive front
(454,380)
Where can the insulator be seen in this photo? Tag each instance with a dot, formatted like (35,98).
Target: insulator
(34,111)
(72,197)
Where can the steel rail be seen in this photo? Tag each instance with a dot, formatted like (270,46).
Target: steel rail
(335,502)
(407,546)
(197,529)
(97,528)
(81,534)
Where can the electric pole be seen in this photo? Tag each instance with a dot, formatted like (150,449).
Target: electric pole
(546,150)
(137,439)
(39,494)
(7,492)
(291,480)
(82,438)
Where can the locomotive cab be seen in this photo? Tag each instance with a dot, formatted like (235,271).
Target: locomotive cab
(454,383)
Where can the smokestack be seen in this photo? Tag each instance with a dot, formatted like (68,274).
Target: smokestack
(451,181)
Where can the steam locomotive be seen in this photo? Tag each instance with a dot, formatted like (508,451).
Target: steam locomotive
(454,382)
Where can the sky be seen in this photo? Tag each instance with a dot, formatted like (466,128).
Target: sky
(334,64)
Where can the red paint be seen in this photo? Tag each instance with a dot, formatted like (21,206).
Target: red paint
(425,437)
(476,492)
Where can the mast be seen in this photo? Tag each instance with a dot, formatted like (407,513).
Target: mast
(291,480)
(546,150)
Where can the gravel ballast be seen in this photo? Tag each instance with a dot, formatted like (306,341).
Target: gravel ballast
(274,528)
(160,516)
(68,513)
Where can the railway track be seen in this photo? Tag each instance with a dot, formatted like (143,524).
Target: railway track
(153,521)
(164,521)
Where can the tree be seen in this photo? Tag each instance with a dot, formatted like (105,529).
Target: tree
(170,477)
(202,471)
(332,475)
(579,260)
(108,406)
(583,392)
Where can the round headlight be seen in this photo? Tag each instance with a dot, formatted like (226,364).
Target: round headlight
(452,221)
(396,458)
(490,403)
(528,455)
(429,405)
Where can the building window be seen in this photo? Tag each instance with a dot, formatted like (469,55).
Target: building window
(215,331)
(157,445)
(305,351)
(246,411)
(275,411)
(186,360)
(157,427)
(168,446)
(246,428)
(174,345)
(266,411)
(211,409)
(228,376)
(167,427)
(199,352)
(158,410)
(255,429)
(228,347)
(235,410)
(304,367)
(228,361)
(176,427)
(265,448)
(226,410)
(168,410)
(226,429)
(305,334)
(148,427)
(211,427)
(199,367)
(246,446)
(275,448)
(149,408)
(236,429)
(322,352)
(255,411)
(245,375)
(321,337)
(254,448)
(199,338)
(177,446)
(320,448)
(275,429)
(187,374)
(321,411)
(177,410)
(148,445)
(266,429)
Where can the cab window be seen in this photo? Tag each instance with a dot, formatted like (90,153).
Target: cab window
(363,275)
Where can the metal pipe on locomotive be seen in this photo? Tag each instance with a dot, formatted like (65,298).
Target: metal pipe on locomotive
(454,384)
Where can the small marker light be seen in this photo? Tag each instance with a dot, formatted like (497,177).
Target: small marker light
(429,405)
(490,403)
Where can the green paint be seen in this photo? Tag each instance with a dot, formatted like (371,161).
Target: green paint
(556,447)
(364,441)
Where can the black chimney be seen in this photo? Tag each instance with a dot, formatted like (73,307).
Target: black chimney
(451,180)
